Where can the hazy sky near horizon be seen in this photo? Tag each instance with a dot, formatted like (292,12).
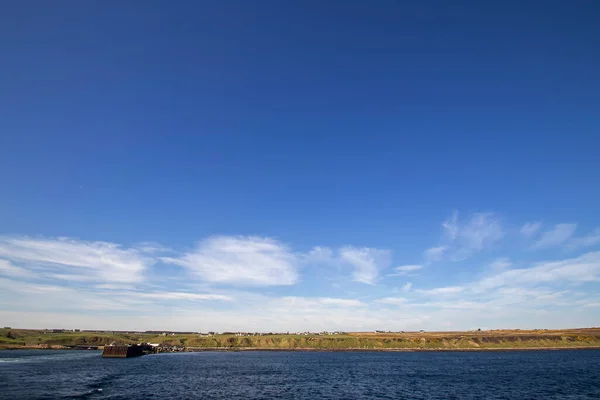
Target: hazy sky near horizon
(311,165)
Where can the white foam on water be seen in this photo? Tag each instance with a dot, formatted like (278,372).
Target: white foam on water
(10,360)
(71,355)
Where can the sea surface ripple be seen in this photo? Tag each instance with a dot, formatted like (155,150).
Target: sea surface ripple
(41,374)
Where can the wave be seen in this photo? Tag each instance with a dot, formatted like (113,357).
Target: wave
(10,360)
(69,355)
(86,394)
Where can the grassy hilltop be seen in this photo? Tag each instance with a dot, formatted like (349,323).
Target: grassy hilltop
(496,339)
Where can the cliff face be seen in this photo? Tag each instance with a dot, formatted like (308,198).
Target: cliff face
(411,342)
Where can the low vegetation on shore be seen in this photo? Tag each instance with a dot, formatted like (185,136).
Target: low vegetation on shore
(471,340)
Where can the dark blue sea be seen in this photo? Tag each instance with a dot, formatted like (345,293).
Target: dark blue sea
(302,375)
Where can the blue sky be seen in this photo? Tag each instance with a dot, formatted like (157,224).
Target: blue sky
(300,165)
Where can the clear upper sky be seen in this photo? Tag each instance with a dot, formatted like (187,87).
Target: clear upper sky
(291,165)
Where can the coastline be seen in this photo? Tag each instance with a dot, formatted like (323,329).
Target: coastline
(394,350)
(168,342)
(317,350)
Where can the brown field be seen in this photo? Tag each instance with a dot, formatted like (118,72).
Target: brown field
(500,333)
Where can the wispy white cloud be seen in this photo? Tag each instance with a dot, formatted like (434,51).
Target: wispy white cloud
(240,260)
(7,269)
(153,248)
(182,296)
(585,268)
(367,262)
(504,300)
(396,301)
(589,240)
(309,302)
(406,269)
(481,230)
(530,229)
(556,236)
(500,264)
(70,277)
(60,282)
(455,304)
(114,286)
(45,297)
(462,239)
(340,302)
(449,290)
(42,288)
(320,254)
(451,228)
(433,254)
(518,286)
(102,261)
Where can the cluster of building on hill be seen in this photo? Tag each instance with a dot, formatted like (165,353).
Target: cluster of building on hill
(210,334)
(272,333)
(112,332)
(201,334)
(89,331)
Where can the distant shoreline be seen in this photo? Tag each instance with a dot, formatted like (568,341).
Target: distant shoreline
(392,350)
(348,350)
(167,342)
